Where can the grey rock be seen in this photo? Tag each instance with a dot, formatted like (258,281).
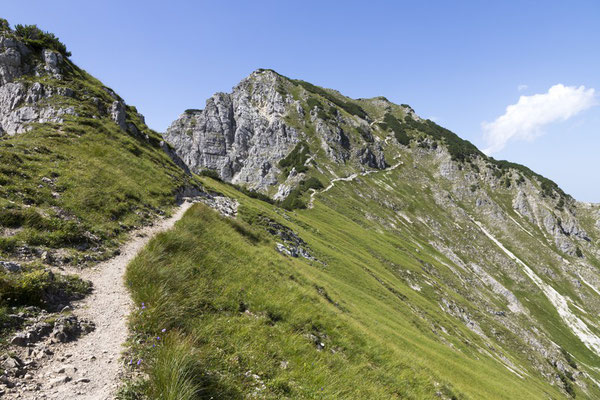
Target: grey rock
(224,205)
(291,244)
(480,202)
(69,327)
(20,103)
(335,142)
(12,56)
(241,135)
(12,363)
(52,61)
(6,381)
(19,106)
(10,266)
(32,334)
(118,113)
(571,227)
(372,157)
(521,204)
(283,249)
(167,148)
(60,381)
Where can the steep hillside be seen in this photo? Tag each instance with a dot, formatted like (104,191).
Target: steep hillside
(348,248)
(78,170)
(407,258)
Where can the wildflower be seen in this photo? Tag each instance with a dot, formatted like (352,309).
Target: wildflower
(158,338)
(139,361)
(164,330)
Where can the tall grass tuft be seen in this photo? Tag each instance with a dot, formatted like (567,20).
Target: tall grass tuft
(174,369)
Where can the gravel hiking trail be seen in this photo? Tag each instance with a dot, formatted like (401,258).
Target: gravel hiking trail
(90,367)
(349,178)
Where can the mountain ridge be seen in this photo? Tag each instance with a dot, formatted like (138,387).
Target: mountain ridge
(347,248)
(460,149)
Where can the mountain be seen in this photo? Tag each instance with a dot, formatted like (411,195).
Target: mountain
(426,244)
(341,248)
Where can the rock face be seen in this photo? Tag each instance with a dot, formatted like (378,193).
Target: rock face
(22,103)
(241,135)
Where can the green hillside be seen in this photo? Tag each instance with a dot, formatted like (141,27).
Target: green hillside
(251,320)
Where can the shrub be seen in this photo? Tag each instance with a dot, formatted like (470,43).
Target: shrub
(312,103)
(38,39)
(311,183)
(4,25)
(459,149)
(296,159)
(349,107)
(293,200)
(211,173)
(390,122)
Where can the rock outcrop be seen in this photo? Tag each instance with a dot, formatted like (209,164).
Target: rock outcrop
(245,134)
(23,103)
(241,135)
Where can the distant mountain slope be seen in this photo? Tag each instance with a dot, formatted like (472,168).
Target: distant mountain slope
(486,258)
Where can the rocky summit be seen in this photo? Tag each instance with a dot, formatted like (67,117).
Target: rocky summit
(336,248)
(244,136)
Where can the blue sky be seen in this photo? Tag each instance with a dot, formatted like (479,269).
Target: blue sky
(460,63)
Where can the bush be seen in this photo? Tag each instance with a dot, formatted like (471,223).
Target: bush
(311,183)
(38,39)
(293,200)
(4,25)
(296,159)
(211,173)
(312,103)
(390,122)
(567,385)
(349,107)
(459,149)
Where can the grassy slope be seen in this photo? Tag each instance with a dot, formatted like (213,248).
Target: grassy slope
(197,280)
(75,188)
(377,301)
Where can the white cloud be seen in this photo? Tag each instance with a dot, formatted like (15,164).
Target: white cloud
(524,120)
(522,87)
